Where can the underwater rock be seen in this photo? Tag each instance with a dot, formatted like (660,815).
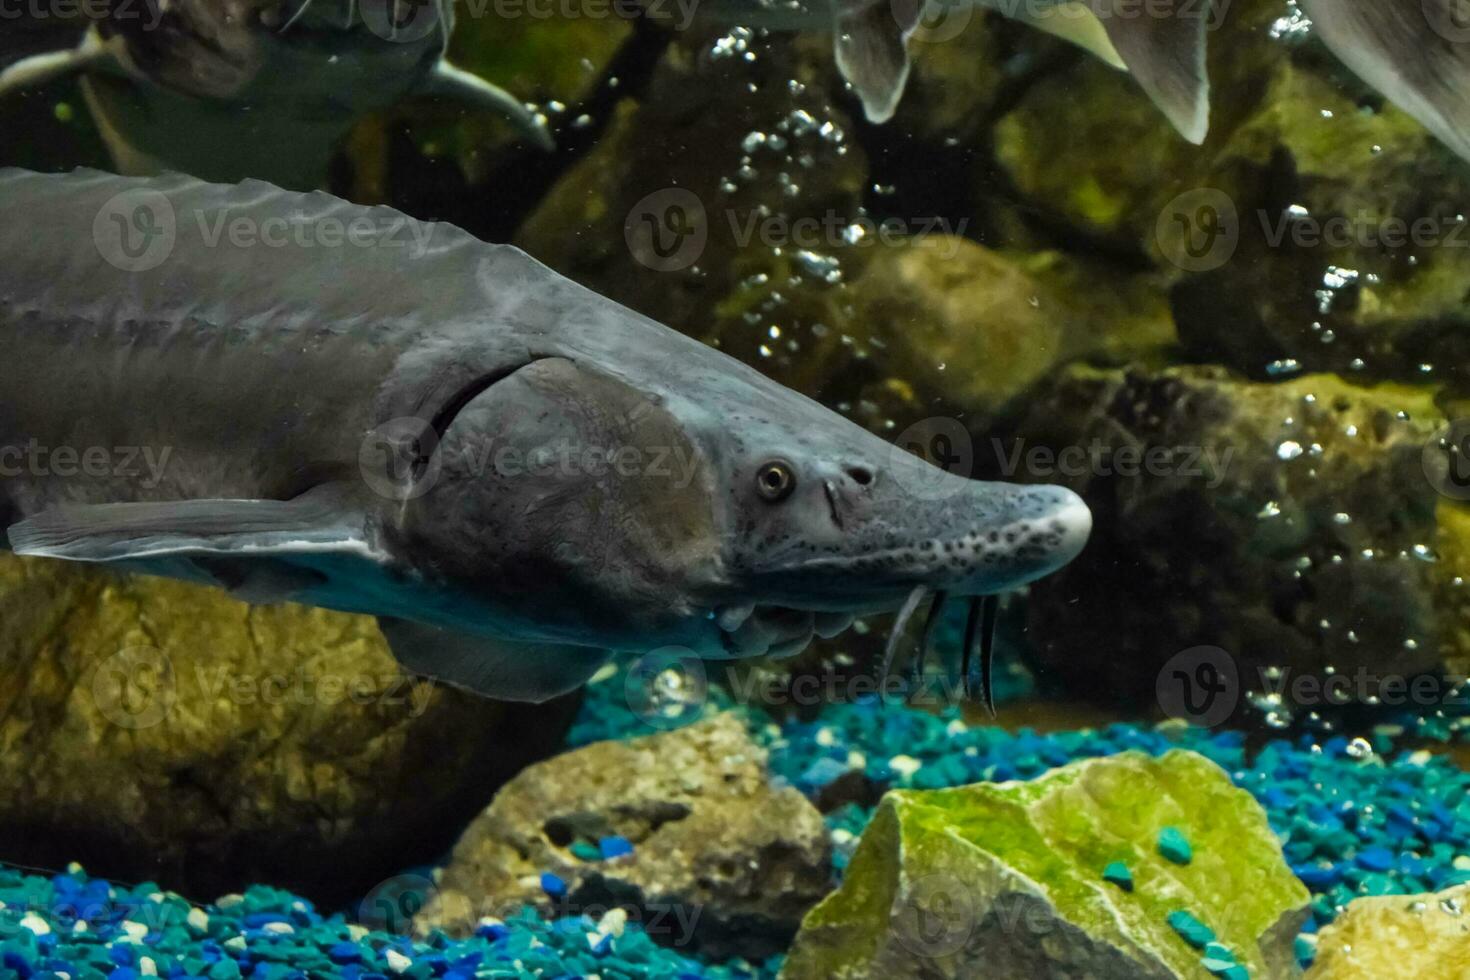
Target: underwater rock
(683,828)
(1317,229)
(976,327)
(1062,877)
(1352,259)
(159,730)
(1290,525)
(1397,936)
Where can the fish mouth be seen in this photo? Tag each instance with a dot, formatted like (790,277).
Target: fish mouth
(781,632)
(974,566)
(778,632)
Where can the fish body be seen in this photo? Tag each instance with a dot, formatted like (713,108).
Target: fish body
(228,88)
(1415,52)
(514,473)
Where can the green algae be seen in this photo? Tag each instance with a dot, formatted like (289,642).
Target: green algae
(1047,843)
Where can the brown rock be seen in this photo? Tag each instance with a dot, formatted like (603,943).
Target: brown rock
(1289,524)
(1398,936)
(157,730)
(722,860)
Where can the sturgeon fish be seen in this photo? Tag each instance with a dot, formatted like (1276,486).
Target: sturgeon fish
(514,473)
(266,88)
(1415,52)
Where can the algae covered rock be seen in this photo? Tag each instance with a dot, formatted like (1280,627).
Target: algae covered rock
(1007,881)
(1290,525)
(682,829)
(1397,936)
(1318,228)
(157,730)
(977,327)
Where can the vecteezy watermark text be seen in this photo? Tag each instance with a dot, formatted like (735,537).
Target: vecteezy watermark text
(677,13)
(1201,229)
(1097,458)
(33,458)
(668,230)
(399,459)
(88,11)
(138,230)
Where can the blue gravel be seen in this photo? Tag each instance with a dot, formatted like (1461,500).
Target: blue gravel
(89,929)
(1356,817)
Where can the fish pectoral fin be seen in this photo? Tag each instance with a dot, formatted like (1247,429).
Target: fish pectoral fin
(1072,22)
(1164,48)
(872,53)
(1413,51)
(456,83)
(92,54)
(312,523)
(490,667)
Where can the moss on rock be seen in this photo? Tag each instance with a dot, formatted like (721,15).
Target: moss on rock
(1006,880)
(158,730)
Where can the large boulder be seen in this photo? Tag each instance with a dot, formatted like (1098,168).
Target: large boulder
(1397,936)
(975,327)
(1318,228)
(1110,869)
(157,730)
(1289,525)
(682,829)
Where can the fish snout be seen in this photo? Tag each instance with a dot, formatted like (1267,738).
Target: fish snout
(1026,533)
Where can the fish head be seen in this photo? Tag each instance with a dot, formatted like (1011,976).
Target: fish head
(698,504)
(824,521)
(312,59)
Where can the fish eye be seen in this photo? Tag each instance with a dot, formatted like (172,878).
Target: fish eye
(775,481)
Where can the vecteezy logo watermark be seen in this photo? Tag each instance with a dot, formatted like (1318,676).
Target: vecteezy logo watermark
(667,230)
(1199,230)
(667,688)
(135,687)
(135,230)
(1200,686)
(398,459)
(936,916)
(936,21)
(1450,19)
(392,904)
(401,21)
(1446,460)
(944,443)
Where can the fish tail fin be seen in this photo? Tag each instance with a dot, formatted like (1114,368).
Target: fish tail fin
(1416,52)
(1163,45)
